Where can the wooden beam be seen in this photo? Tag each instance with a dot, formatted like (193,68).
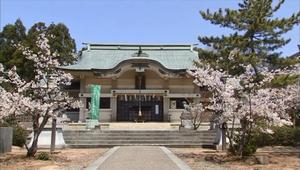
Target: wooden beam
(135,91)
(84,95)
(184,95)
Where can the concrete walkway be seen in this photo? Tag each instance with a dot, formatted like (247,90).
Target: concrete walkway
(139,158)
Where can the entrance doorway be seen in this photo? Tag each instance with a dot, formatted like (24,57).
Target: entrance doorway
(128,107)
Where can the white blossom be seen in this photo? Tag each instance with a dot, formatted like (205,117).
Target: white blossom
(242,97)
(42,96)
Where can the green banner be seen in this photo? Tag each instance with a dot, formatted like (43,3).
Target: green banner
(95,101)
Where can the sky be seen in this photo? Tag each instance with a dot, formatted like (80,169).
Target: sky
(132,21)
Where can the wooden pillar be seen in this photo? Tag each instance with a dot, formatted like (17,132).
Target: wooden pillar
(166,103)
(113,100)
(113,105)
(197,91)
(166,108)
(82,110)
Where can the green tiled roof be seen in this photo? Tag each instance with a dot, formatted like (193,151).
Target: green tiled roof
(108,56)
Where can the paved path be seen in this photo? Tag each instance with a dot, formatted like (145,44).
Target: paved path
(139,158)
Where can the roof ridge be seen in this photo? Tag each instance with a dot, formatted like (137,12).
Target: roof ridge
(137,47)
(140,44)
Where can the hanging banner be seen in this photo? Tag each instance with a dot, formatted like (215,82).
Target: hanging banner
(95,102)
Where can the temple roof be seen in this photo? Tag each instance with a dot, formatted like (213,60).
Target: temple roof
(108,56)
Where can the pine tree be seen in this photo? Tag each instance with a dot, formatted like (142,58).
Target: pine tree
(256,35)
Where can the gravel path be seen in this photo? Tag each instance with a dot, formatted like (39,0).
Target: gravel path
(204,165)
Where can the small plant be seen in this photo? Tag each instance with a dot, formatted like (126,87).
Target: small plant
(43,156)
(249,148)
(19,136)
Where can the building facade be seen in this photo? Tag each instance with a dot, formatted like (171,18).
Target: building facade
(138,82)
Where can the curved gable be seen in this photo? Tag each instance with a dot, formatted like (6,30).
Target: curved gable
(107,57)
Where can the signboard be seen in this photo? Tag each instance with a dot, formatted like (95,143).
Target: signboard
(95,102)
(156,109)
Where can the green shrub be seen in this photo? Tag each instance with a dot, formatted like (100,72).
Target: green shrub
(284,136)
(19,133)
(249,148)
(43,156)
(297,136)
(19,136)
(263,139)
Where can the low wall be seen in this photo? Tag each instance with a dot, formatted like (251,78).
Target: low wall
(175,114)
(6,135)
(105,115)
(44,140)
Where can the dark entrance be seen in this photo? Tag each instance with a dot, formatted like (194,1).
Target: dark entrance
(128,108)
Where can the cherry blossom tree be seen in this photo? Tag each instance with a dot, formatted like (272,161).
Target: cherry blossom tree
(246,101)
(41,98)
(12,101)
(198,112)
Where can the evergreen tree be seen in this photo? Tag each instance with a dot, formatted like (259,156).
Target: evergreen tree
(62,43)
(256,35)
(60,40)
(11,35)
(59,37)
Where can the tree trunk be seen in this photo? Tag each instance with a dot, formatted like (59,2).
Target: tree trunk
(37,129)
(243,137)
(242,144)
(230,135)
(33,148)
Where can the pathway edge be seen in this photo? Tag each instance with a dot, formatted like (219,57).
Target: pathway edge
(181,165)
(102,158)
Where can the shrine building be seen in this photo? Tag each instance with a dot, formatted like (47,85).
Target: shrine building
(149,82)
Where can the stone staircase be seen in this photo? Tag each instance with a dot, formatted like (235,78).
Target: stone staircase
(109,138)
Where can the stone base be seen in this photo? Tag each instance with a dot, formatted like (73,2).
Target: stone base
(181,128)
(91,124)
(44,140)
(219,147)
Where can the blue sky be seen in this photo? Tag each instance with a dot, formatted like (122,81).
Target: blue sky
(132,21)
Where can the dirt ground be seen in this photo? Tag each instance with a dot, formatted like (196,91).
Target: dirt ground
(75,159)
(63,159)
(287,159)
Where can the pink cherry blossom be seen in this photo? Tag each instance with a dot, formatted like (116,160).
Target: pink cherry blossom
(243,102)
(43,97)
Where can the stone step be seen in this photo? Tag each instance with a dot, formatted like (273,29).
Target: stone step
(133,135)
(140,139)
(190,145)
(138,131)
(136,137)
(139,135)
(117,142)
(98,138)
(135,132)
